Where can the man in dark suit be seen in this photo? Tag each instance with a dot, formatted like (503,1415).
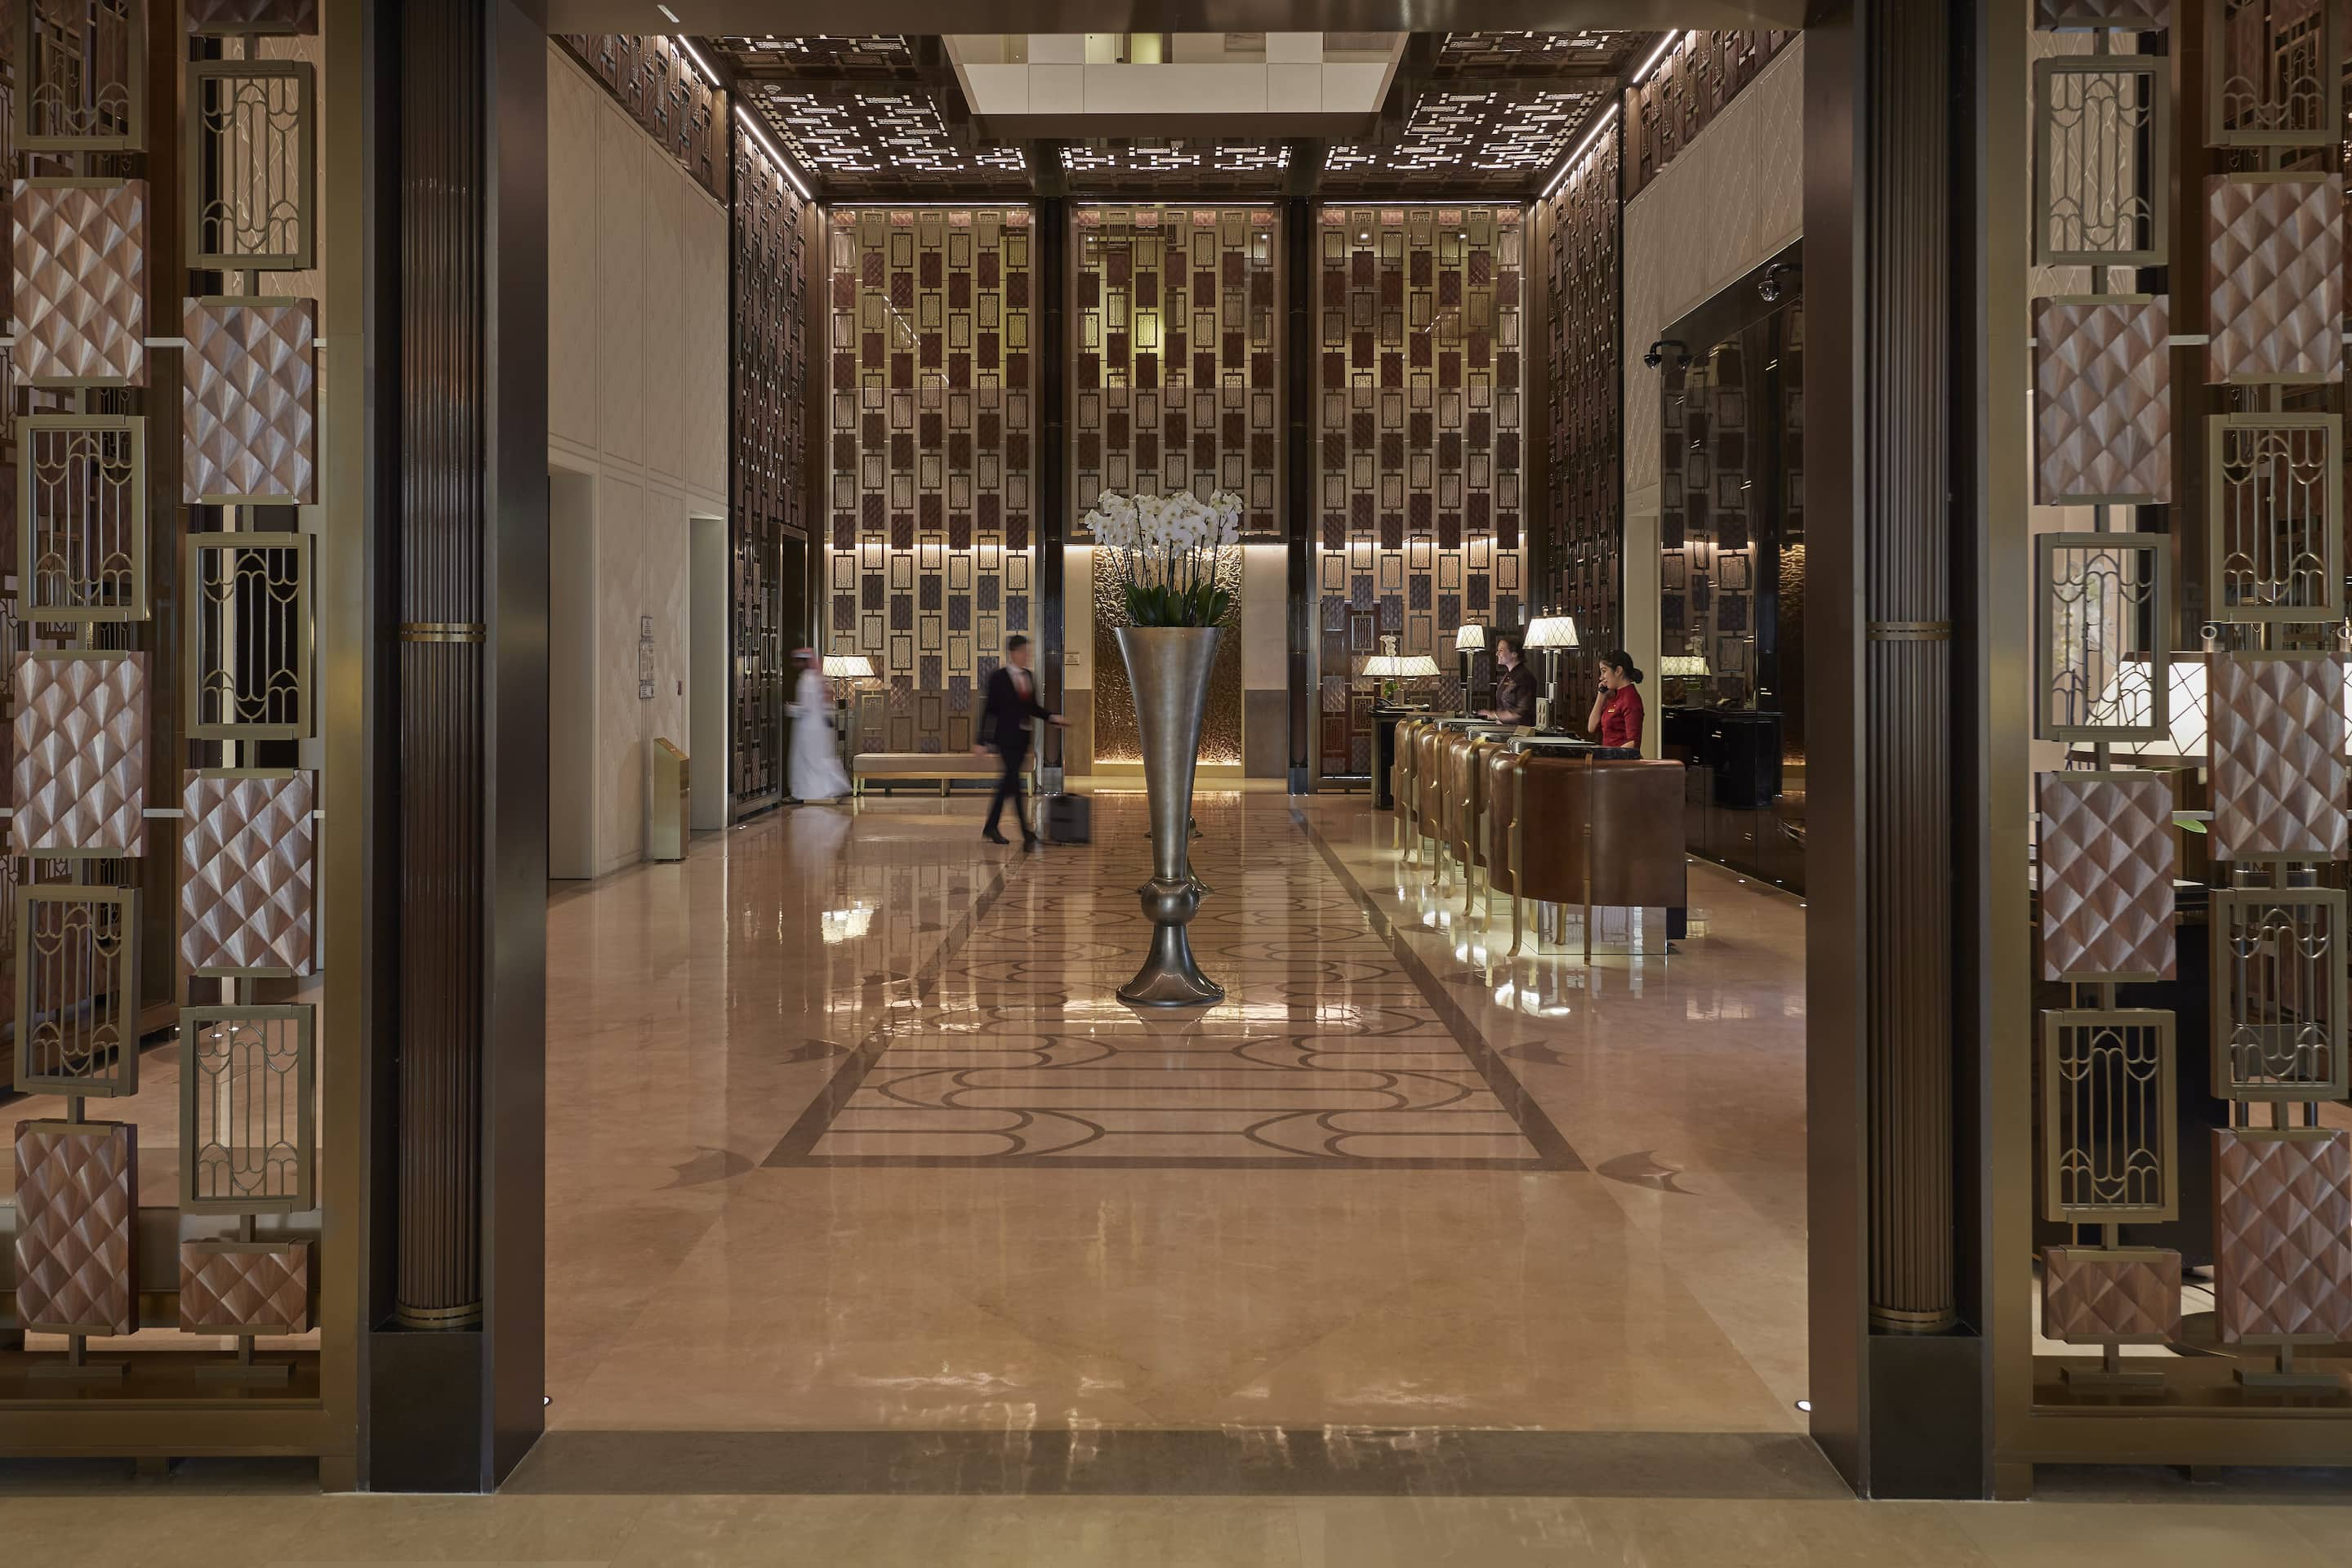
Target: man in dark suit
(1515,684)
(1004,729)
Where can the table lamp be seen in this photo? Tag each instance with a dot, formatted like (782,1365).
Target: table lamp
(1686,667)
(1388,667)
(844,671)
(1551,633)
(1467,642)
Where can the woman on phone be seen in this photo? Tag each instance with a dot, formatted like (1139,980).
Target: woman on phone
(1617,707)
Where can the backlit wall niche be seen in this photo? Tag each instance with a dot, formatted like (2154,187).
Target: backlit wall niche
(931,561)
(1419,393)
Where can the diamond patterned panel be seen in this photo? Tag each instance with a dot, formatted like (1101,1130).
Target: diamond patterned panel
(931,554)
(2278,771)
(2103,402)
(81,753)
(2283,1234)
(246,850)
(245,1287)
(81,282)
(2131,15)
(2124,1296)
(250,418)
(220,17)
(2107,860)
(2276,258)
(77,1201)
(1419,400)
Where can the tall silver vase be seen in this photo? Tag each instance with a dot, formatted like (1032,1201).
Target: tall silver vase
(1169,669)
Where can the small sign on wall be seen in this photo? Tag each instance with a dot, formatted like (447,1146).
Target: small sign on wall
(646,657)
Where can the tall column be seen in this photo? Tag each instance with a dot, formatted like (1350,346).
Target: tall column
(1301,469)
(1897,1363)
(459,1367)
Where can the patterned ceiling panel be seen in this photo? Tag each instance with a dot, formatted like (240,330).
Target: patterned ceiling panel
(931,557)
(844,57)
(1539,54)
(1418,401)
(1204,167)
(1463,140)
(883,142)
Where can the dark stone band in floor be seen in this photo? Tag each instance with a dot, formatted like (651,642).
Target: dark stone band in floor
(1315,1461)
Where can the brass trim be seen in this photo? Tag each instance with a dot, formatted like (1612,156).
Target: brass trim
(233,143)
(438,1317)
(1910,631)
(2329,609)
(2153,158)
(442,631)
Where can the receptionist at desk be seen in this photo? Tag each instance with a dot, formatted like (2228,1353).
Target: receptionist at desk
(1515,685)
(1617,707)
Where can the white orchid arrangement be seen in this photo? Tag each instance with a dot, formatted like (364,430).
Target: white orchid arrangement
(1169,548)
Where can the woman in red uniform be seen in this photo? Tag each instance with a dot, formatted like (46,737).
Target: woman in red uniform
(1617,707)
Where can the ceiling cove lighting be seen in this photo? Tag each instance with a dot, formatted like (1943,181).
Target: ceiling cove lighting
(1665,47)
(673,20)
(1599,129)
(709,76)
(760,136)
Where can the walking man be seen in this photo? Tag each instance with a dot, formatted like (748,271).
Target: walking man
(1004,729)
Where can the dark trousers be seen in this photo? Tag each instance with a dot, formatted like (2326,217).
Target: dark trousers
(1015,754)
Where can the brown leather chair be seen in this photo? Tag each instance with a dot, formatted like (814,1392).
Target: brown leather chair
(1466,756)
(1598,833)
(1495,822)
(1429,787)
(1401,784)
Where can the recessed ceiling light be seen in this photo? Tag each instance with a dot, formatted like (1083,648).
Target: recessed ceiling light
(671,14)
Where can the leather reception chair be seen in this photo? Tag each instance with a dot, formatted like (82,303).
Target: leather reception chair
(1402,746)
(1495,822)
(1604,835)
(1429,789)
(1465,797)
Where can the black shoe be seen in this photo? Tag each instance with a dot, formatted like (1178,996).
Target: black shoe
(1030,841)
(994,837)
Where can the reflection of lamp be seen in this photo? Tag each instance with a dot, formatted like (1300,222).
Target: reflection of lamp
(1550,633)
(1684,667)
(1467,642)
(1390,667)
(2124,703)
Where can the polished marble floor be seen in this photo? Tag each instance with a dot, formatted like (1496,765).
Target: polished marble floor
(848,1133)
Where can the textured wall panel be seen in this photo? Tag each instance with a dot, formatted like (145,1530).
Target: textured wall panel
(2103,401)
(245,852)
(2108,859)
(2137,15)
(2276,265)
(245,1287)
(2276,723)
(2283,1234)
(77,1208)
(2124,1296)
(223,17)
(249,430)
(76,989)
(81,258)
(1419,415)
(931,557)
(662,91)
(1681,98)
(2278,983)
(81,753)
(1584,424)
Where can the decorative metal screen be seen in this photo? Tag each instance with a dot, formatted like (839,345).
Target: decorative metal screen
(2101,151)
(2278,984)
(81,775)
(1699,77)
(2102,400)
(663,91)
(2102,674)
(2271,73)
(249,148)
(80,266)
(2106,864)
(79,70)
(78,990)
(2109,1141)
(247,1141)
(2274,517)
(769,457)
(246,847)
(2275,278)
(250,418)
(247,670)
(81,517)
(931,553)
(1177,355)
(1419,399)
(1583,246)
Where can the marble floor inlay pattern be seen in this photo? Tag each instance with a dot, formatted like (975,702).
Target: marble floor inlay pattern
(1332,1047)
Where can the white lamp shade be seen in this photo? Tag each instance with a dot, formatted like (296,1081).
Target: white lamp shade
(1682,665)
(848,666)
(1399,666)
(1469,639)
(1552,631)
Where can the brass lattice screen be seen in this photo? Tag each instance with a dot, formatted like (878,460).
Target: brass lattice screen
(931,563)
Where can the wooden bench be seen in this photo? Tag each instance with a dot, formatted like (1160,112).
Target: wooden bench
(890,769)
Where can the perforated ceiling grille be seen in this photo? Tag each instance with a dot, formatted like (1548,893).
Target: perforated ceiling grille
(1238,167)
(1460,140)
(889,140)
